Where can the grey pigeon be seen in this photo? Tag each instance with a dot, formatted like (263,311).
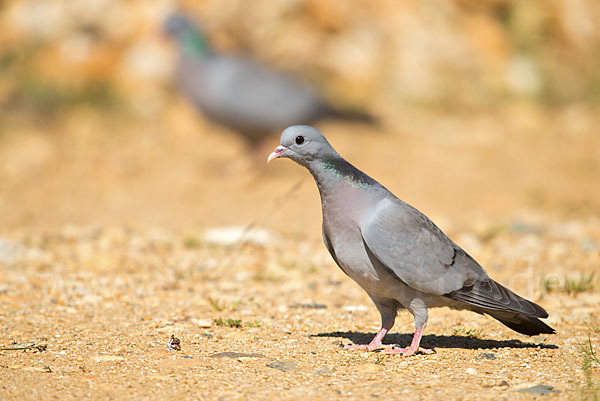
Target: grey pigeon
(241,94)
(394,252)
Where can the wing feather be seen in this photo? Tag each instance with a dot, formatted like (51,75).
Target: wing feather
(415,250)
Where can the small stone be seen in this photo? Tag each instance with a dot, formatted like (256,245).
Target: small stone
(204,323)
(284,366)
(322,372)
(471,371)
(542,389)
(485,355)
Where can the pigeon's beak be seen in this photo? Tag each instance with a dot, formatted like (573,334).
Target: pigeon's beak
(279,150)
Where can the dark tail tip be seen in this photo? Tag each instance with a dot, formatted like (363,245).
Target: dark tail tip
(353,115)
(527,325)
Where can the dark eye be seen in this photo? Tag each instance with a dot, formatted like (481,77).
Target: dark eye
(299,140)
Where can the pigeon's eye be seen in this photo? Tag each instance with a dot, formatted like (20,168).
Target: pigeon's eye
(299,140)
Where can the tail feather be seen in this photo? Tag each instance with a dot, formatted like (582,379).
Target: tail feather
(352,115)
(527,325)
(491,298)
(491,295)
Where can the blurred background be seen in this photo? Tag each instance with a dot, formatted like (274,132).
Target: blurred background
(487,109)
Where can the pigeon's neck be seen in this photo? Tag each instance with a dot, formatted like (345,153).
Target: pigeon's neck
(193,44)
(330,174)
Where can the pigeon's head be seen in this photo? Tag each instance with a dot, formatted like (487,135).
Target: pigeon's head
(188,34)
(303,144)
(178,24)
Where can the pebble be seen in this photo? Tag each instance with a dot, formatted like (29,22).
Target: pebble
(203,323)
(284,366)
(486,355)
(542,389)
(322,372)
(471,371)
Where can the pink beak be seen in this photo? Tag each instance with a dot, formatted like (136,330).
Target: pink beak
(276,153)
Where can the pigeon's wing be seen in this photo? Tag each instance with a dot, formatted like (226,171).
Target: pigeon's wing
(414,250)
(257,94)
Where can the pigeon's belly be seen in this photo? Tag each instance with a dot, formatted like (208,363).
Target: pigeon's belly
(355,262)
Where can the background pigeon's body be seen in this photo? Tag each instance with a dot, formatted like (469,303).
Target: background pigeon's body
(241,94)
(394,252)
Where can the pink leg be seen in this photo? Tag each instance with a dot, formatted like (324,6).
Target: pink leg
(414,345)
(375,343)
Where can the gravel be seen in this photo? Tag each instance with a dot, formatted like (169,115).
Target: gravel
(106,313)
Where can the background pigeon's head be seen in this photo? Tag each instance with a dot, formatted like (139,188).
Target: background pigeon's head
(188,34)
(302,144)
(178,24)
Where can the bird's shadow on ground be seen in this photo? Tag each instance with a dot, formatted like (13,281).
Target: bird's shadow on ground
(435,341)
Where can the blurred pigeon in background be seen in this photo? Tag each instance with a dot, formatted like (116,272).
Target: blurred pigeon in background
(241,94)
(394,252)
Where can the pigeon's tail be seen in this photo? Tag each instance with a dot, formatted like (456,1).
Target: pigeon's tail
(489,297)
(523,324)
(352,115)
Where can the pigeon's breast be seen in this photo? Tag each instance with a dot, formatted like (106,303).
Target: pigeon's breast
(341,228)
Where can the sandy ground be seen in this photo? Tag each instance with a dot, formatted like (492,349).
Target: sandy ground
(105,254)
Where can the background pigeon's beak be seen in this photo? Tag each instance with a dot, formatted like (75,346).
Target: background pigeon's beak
(276,153)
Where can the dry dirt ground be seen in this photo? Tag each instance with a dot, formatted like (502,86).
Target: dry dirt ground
(108,249)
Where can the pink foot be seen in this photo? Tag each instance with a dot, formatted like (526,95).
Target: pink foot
(375,343)
(414,346)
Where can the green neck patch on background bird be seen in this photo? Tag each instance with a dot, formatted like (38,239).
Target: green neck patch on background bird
(193,43)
